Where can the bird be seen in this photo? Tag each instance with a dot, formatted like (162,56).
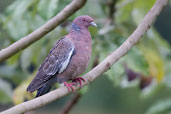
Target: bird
(67,60)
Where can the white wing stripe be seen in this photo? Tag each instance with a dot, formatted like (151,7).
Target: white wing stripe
(65,63)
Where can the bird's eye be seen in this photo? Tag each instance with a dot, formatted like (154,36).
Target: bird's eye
(85,20)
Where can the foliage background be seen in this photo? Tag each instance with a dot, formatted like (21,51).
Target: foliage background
(149,60)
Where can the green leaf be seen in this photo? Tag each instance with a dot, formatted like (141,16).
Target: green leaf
(135,60)
(21,26)
(26,58)
(52,8)
(5,92)
(47,8)
(141,7)
(7,71)
(20,94)
(14,59)
(155,50)
(161,107)
(22,7)
(124,11)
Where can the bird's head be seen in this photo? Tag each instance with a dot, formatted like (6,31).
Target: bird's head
(83,22)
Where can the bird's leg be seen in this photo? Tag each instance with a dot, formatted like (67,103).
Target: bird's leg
(79,80)
(70,86)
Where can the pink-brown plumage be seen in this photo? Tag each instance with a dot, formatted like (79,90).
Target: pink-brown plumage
(67,60)
(80,60)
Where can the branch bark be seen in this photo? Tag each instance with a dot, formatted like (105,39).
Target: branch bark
(99,69)
(42,31)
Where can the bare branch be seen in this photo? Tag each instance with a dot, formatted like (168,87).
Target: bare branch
(42,31)
(99,69)
(69,105)
(111,4)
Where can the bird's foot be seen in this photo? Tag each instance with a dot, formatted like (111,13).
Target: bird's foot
(70,86)
(79,80)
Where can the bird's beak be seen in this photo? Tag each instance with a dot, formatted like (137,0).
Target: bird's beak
(93,24)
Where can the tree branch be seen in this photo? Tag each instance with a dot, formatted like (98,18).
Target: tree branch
(42,31)
(69,105)
(111,5)
(99,69)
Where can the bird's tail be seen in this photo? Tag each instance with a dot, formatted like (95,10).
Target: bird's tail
(43,90)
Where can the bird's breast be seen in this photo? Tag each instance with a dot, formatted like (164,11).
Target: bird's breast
(81,58)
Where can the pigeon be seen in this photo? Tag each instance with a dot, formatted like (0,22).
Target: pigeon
(67,60)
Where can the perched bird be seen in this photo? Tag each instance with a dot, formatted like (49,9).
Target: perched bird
(67,60)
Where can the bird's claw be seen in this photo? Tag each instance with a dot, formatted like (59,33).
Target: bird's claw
(79,80)
(74,81)
(70,86)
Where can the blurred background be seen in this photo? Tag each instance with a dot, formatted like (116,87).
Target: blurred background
(139,83)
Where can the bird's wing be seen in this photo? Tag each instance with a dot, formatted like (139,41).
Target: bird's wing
(56,62)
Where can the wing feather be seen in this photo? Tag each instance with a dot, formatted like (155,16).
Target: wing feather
(56,62)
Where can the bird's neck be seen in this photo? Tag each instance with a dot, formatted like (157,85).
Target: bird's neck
(75,27)
(80,34)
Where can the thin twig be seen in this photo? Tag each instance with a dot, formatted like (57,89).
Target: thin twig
(99,69)
(70,104)
(111,4)
(42,31)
